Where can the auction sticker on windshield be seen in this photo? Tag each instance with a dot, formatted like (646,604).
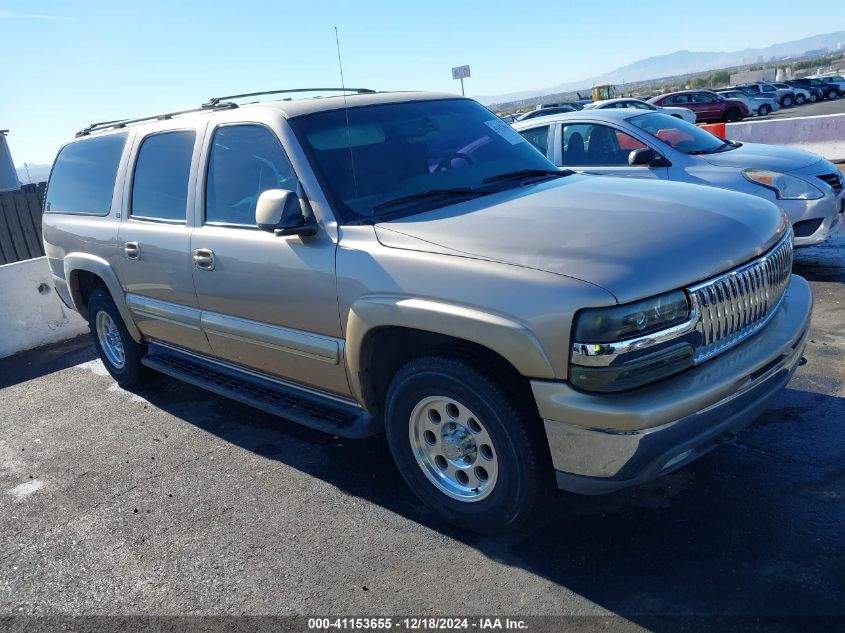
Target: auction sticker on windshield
(505,131)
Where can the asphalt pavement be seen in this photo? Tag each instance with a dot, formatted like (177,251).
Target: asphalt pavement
(837,106)
(170,500)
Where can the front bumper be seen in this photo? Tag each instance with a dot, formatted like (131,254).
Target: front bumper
(604,442)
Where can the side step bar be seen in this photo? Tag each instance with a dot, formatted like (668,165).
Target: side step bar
(322,414)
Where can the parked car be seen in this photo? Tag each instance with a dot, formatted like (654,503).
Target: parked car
(682,113)
(829,89)
(761,106)
(802,95)
(832,82)
(408,263)
(816,93)
(549,110)
(707,105)
(806,186)
(786,98)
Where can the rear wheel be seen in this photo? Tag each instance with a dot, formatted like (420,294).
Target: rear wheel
(813,97)
(832,94)
(120,354)
(465,446)
(732,115)
(787,101)
(764,110)
(800,100)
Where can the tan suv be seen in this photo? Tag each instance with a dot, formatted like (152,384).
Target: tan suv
(408,263)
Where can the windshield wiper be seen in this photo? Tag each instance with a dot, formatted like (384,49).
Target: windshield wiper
(528,173)
(431,194)
(722,147)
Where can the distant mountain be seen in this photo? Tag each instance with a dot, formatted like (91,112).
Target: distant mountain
(682,63)
(33,173)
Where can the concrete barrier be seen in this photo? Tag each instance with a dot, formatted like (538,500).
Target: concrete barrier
(823,135)
(31,313)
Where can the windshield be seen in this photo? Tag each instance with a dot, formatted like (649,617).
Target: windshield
(401,158)
(682,136)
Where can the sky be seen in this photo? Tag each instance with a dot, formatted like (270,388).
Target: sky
(78,61)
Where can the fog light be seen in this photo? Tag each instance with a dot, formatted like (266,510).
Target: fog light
(634,374)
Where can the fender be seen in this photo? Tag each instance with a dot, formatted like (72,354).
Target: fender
(510,339)
(74,262)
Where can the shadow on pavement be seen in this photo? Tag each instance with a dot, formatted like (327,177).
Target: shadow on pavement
(45,360)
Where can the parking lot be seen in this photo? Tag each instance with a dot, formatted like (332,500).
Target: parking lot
(837,106)
(170,500)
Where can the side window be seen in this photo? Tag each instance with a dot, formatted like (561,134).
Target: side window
(597,145)
(245,161)
(162,171)
(538,137)
(83,176)
(702,98)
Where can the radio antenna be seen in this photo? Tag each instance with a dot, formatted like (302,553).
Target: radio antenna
(346,111)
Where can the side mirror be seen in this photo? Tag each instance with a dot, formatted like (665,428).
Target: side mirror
(278,211)
(646,156)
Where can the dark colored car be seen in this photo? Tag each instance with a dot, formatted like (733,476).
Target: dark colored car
(756,90)
(547,110)
(708,106)
(816,93)
(828,89)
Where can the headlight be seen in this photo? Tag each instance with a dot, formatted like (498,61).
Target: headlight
(617,323)
(785,186)
(628,346)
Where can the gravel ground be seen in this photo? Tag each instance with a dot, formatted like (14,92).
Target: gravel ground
(169,500)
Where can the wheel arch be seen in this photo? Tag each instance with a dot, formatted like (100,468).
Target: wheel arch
(394,330)
(84,273)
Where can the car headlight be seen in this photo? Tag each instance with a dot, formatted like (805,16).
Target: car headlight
(617,323)
(785,186)
(623,347)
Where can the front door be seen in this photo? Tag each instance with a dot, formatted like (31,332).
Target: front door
(600,149)
(268,303)
(155,238)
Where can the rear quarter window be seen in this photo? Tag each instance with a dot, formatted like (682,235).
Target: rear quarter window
(82,180)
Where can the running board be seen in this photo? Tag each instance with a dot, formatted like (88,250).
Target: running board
(302,407)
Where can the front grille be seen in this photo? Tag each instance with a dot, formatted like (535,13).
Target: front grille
(735,305)
(834,180)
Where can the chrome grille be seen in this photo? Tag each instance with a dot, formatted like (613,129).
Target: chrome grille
(834,180)
(735,305)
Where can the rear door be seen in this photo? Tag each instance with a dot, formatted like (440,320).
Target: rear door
(155,237)
(269,303)
(597,148)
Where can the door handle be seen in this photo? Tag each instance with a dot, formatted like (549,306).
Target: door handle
(204,258)
(132,250)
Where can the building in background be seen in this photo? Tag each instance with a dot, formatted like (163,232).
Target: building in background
(8,176)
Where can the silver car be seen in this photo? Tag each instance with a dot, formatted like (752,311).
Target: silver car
(759,105)
(652,145)
(682,113)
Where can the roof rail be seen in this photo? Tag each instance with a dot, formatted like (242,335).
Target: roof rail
(120,123)
(215,100)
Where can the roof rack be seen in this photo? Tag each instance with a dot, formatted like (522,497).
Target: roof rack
(119,123)
(215,103)
(215,100)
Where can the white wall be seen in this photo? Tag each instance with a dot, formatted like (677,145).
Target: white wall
(31,313)
(823,135)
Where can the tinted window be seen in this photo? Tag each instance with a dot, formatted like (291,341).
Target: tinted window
(246,160)
(538,137)
(682,136)
(83,176)
(385,153)
(160,185)
(597,145)
(701,98)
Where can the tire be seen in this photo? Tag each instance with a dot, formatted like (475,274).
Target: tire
(113,341)
(732,115)
(472,423)
(813,97)
(800,100)
(787,101)
(832,94)
(764,110)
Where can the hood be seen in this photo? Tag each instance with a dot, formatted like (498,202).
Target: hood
(759,156)
(634,238)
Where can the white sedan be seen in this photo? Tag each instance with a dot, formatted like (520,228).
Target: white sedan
(627,102)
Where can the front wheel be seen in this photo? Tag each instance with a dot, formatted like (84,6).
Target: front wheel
(813,97)
(120,354)
(800,100)
(732,115)
(786,102)
(764,110)
(832,94)
(465,446)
